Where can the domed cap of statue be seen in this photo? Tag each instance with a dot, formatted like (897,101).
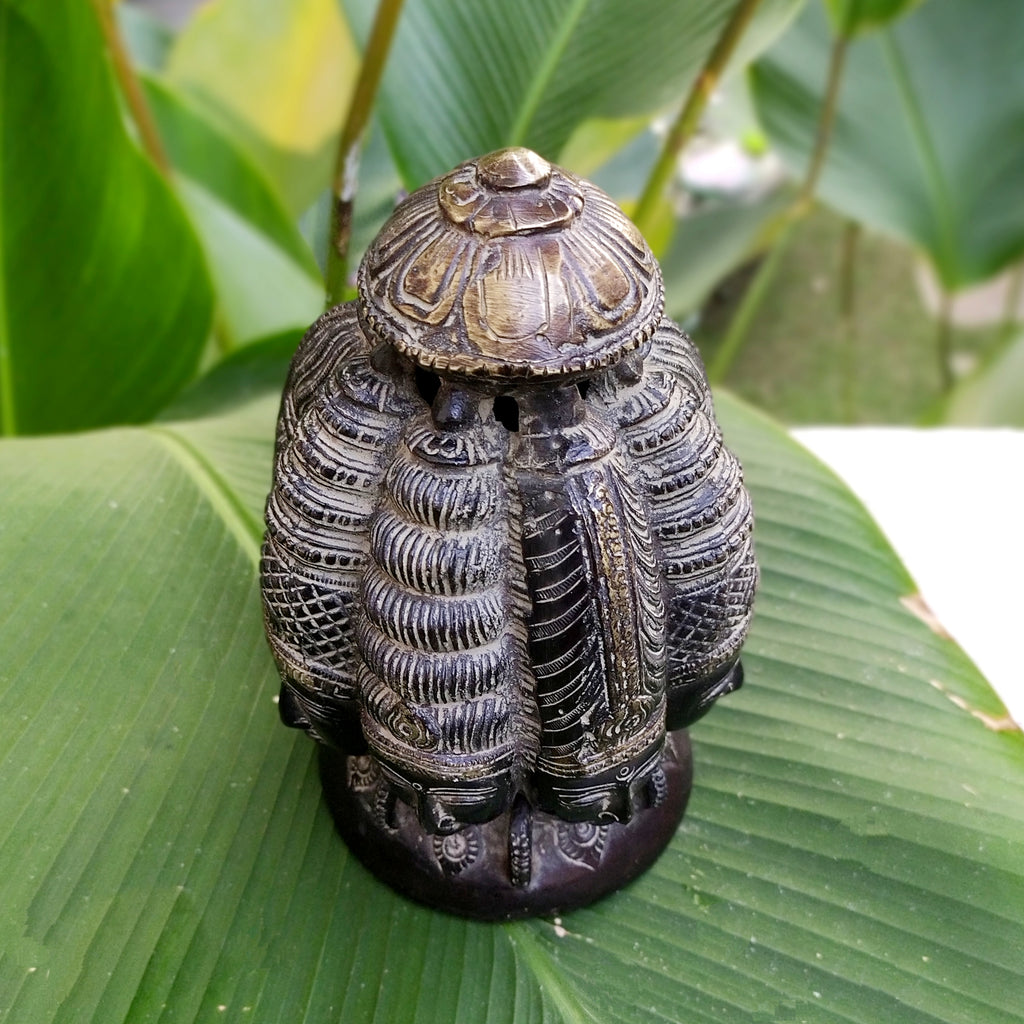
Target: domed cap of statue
(508,267)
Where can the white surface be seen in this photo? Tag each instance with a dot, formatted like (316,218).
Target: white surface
(951,501)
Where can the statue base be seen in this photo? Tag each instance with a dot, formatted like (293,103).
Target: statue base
(522,863)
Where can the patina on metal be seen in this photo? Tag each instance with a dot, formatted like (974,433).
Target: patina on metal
(508,558)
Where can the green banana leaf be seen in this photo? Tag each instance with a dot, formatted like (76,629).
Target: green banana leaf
(928,143)
(105,303)
(463,79)
(851,852)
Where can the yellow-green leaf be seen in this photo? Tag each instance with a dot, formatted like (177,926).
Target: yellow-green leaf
(280,74)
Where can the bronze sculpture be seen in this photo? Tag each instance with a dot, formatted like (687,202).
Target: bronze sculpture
(508,558)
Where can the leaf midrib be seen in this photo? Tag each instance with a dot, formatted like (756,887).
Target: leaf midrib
(226,504)
(923,143)
(528,951)
(545,72)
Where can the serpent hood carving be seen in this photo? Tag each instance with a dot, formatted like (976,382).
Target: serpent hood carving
(508,557)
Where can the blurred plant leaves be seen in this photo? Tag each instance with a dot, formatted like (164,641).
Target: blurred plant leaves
(850,16)
(260,289)
(279,75)
(201,151)
(624,175)
(265,276)
(105,303)
(929,134)
(463,79)
(711,242)
(992,396)
(599,140)
(380,189)
(147,38)
(850,851)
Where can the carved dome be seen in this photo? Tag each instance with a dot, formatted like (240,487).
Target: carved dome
(510,267)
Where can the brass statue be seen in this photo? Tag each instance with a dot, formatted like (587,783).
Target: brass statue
(508,558)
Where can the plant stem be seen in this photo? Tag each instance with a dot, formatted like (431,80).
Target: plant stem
(346,170)
(848,314)
(744,316)
(944,341)
(826,122)
(689,117)
(779,231)
(130,87)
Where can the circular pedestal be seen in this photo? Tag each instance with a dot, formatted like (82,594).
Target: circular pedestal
(522,863)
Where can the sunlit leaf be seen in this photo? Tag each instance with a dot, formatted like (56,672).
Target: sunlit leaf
(851,851)
(104,299)
(280,75)
(206,155)
(463,79)
(929,134)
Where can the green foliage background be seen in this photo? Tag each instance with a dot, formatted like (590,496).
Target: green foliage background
(851,852)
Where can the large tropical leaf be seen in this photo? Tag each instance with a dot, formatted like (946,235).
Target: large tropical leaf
(929,133)
(279,75)
(265,275)
(465,78)
(851,852)
(104,299)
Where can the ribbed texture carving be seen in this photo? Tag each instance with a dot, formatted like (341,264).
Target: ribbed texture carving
(596,628)
(699,507)
(440,658)
(333,339)
(326,481)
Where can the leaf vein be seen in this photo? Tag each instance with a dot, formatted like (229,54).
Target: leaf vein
(545,72)
(240,523)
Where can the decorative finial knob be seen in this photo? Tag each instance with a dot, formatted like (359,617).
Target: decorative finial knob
(515,167)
